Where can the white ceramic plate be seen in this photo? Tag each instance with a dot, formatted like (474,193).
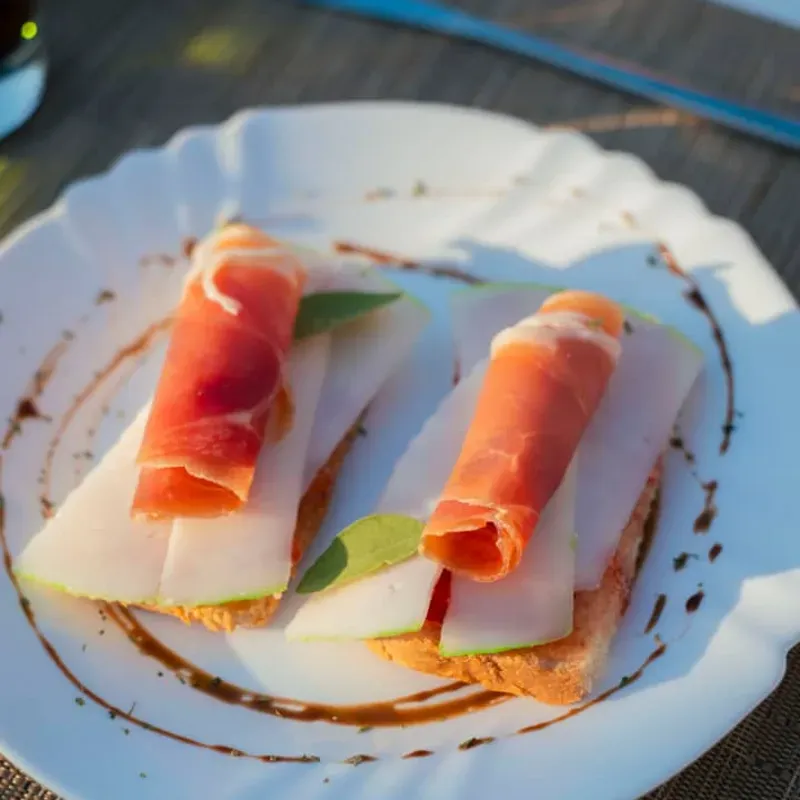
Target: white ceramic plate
(506,202)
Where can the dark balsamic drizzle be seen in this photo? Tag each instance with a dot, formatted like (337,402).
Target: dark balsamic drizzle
(696,298)
(456,370)
(46,507)
(418,754)
(714,552)
(26,405)
(704,520)
(676,442)
(658,610)
(385,259)
(27,409)
(693,603)
(412,709)
(188,245)
(707,516)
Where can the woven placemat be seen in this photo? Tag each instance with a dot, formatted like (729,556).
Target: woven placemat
(129,74)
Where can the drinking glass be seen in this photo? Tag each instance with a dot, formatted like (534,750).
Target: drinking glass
(23,65)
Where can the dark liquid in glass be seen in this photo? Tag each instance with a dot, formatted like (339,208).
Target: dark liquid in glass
(22,63)
(13,16)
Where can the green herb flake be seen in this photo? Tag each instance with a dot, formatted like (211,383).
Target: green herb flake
(365,547)
(359,759)
(420,189)
(79,701)
(474,741)
(324,311)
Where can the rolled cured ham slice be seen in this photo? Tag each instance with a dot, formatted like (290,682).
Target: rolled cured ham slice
(222,382)
(631,427)
(546,377)
(532,605)
(248,555)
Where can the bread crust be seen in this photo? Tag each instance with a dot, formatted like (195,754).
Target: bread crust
(560,672)
(310,516)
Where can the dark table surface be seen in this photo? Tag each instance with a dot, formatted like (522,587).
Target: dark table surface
(129,73)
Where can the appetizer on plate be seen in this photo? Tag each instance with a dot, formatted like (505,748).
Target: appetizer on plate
(505,546)
(208,500)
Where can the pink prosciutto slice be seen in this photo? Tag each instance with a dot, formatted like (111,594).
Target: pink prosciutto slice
(545,379)
(221,392)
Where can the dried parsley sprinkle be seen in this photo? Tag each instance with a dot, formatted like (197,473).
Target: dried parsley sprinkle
(216,681)
(126,731)
(420,189)
(475,742)
(365,728)
(359,759)
(142,774)
(79,701)
(679,562)
(112,714)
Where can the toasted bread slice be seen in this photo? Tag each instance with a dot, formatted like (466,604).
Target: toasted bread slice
(560,672)
(310,516)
